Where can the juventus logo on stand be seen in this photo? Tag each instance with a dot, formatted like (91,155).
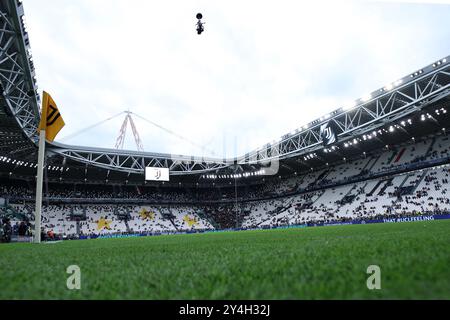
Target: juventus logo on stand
(327,134)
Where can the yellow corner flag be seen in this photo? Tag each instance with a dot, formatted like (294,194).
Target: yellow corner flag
(51,120)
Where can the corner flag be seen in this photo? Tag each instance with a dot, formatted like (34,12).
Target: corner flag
(51,120)
(51,123)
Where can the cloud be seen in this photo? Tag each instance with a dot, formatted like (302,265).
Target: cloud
(261,69)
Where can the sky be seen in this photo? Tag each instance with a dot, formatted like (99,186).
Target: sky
(260,70)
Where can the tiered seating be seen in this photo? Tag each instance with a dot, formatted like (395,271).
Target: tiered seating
(336,197)
(347,170)
(187,218)
(103,220)
(148,219)
(430,195)
(441,148)
(260,211)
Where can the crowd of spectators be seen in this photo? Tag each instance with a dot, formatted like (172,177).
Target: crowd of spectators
(328,194)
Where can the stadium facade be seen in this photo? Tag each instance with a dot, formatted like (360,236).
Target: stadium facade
(384,156)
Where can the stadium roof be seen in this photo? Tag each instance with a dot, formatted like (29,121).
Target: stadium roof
(387,116)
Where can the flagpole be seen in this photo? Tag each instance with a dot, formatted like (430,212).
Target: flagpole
(40,171)
(50,124)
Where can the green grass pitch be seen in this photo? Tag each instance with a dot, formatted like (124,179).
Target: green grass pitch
(304,263)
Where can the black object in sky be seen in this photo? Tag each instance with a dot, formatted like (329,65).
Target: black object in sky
(200,27)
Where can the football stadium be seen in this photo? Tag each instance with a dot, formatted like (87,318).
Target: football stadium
(352,205)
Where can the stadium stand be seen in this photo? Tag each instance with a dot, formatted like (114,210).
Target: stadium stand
(325,195)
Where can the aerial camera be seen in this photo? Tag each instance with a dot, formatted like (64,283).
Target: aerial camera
(200,24)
